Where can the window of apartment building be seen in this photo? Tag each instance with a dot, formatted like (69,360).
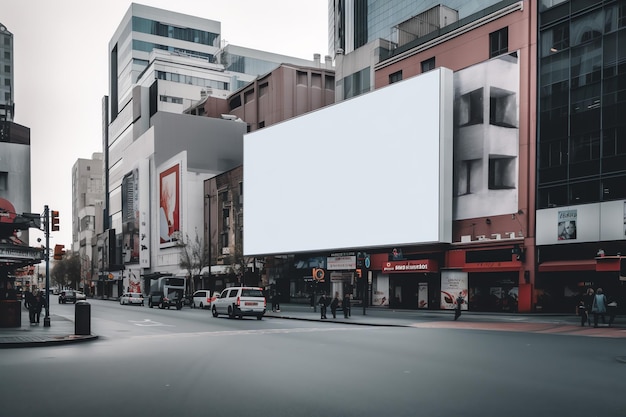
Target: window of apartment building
(224,239)
(316,80)
(395,77)
(7,69)
(7,55)
(262,124)
(471,108)
(499,42)
(7,81)
(329,83)
(235,102)
(7,41)
(248,96)
(226,218)
(263,89)
(502,107)
(3,180)
(302,78)
(502,173)
(7,96)
(468,176)
(428,64)
(170,99)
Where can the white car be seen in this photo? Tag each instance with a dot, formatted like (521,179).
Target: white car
(80,296)
(239,302)
(130,298)
(203,299)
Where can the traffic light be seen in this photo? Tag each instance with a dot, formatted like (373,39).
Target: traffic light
(59,252)
(55,220)
(359,273)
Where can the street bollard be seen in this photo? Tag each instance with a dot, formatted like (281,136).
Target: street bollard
(82,319)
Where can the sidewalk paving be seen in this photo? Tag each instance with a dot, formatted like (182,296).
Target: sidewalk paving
(62,329)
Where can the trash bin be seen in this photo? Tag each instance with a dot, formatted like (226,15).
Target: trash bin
(82,319)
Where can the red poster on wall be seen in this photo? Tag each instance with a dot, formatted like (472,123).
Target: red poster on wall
(169,212)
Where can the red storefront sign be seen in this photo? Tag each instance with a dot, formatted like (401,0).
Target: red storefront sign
(422,265)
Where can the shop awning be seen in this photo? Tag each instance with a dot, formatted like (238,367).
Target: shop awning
(571,265)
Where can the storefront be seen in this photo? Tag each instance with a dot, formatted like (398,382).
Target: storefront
(561,283)
(494,277)
(407,284)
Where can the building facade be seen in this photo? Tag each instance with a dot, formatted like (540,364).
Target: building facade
(7,105)
(581,151)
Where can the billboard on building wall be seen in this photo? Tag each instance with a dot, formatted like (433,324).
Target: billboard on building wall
(372,171)
(169,205)
(144,213)
(130,217)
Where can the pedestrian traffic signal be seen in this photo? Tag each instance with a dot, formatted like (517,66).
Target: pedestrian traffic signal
(55,220)
(359,273)
(59,252)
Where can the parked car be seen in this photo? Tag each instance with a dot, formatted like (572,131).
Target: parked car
(239,302)
(67,296)
(160,300)
(203,299)
(132,298)
(80,296)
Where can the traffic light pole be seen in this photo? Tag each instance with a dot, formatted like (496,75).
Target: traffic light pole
(46,216)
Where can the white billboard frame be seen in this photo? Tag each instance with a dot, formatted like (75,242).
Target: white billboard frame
(372,171)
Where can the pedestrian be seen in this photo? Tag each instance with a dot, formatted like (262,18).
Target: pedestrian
(334,304)
(273,299)
(35,306)
(459,302)
(277,301)
(581,310)
(345,305)
(599,307)
(588,298)
(323,302)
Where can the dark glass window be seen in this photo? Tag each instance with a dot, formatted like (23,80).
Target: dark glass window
(395,77)
(553,197)
(428,64)
(471,108)
(585,192)
(613,188)
(499,42)
(502,173)
(502,107)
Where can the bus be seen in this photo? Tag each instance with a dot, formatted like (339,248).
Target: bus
(167,292)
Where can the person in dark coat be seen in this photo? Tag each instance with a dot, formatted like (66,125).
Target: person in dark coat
(345,305)
(459,302)
(588,299)
(582,312)
(323,302)
(35,306)
(334,304)
(599,307)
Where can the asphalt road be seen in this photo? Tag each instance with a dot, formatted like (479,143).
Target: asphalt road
(187,363)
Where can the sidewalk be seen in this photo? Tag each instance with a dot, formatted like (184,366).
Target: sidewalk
(61,331)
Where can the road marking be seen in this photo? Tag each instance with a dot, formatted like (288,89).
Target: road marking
(258,332)
(149,323)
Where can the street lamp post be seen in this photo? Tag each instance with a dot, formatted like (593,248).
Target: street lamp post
(208,203)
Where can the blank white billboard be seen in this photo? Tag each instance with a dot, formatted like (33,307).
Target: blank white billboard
(373,171)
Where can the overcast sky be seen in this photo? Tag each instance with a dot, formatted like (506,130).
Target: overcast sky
(61,58)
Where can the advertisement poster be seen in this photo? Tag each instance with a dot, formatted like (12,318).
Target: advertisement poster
(169,209)
(130,217)
(567,225)
(453,283)
(381,291)
(422,295)
(144,216)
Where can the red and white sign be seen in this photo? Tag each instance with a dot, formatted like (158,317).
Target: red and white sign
(422,265)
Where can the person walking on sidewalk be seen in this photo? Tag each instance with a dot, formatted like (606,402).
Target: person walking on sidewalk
(323,302)
(581,310)
(459,302)
(599,307)
(588,298)
(345,305)
(334,304)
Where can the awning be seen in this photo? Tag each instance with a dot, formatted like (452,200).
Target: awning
(571,265)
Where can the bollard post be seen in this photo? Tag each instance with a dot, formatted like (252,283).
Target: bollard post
(82,318)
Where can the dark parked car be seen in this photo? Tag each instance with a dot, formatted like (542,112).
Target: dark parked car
(67,296)
(160,300)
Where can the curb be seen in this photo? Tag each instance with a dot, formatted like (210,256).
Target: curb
(336,321)
(48,341)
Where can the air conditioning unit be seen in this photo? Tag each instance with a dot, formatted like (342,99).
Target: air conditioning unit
(480,237)
(496,236)
(466,238)
(511,235)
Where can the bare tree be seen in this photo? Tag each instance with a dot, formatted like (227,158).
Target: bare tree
(66,272)
(194,257)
